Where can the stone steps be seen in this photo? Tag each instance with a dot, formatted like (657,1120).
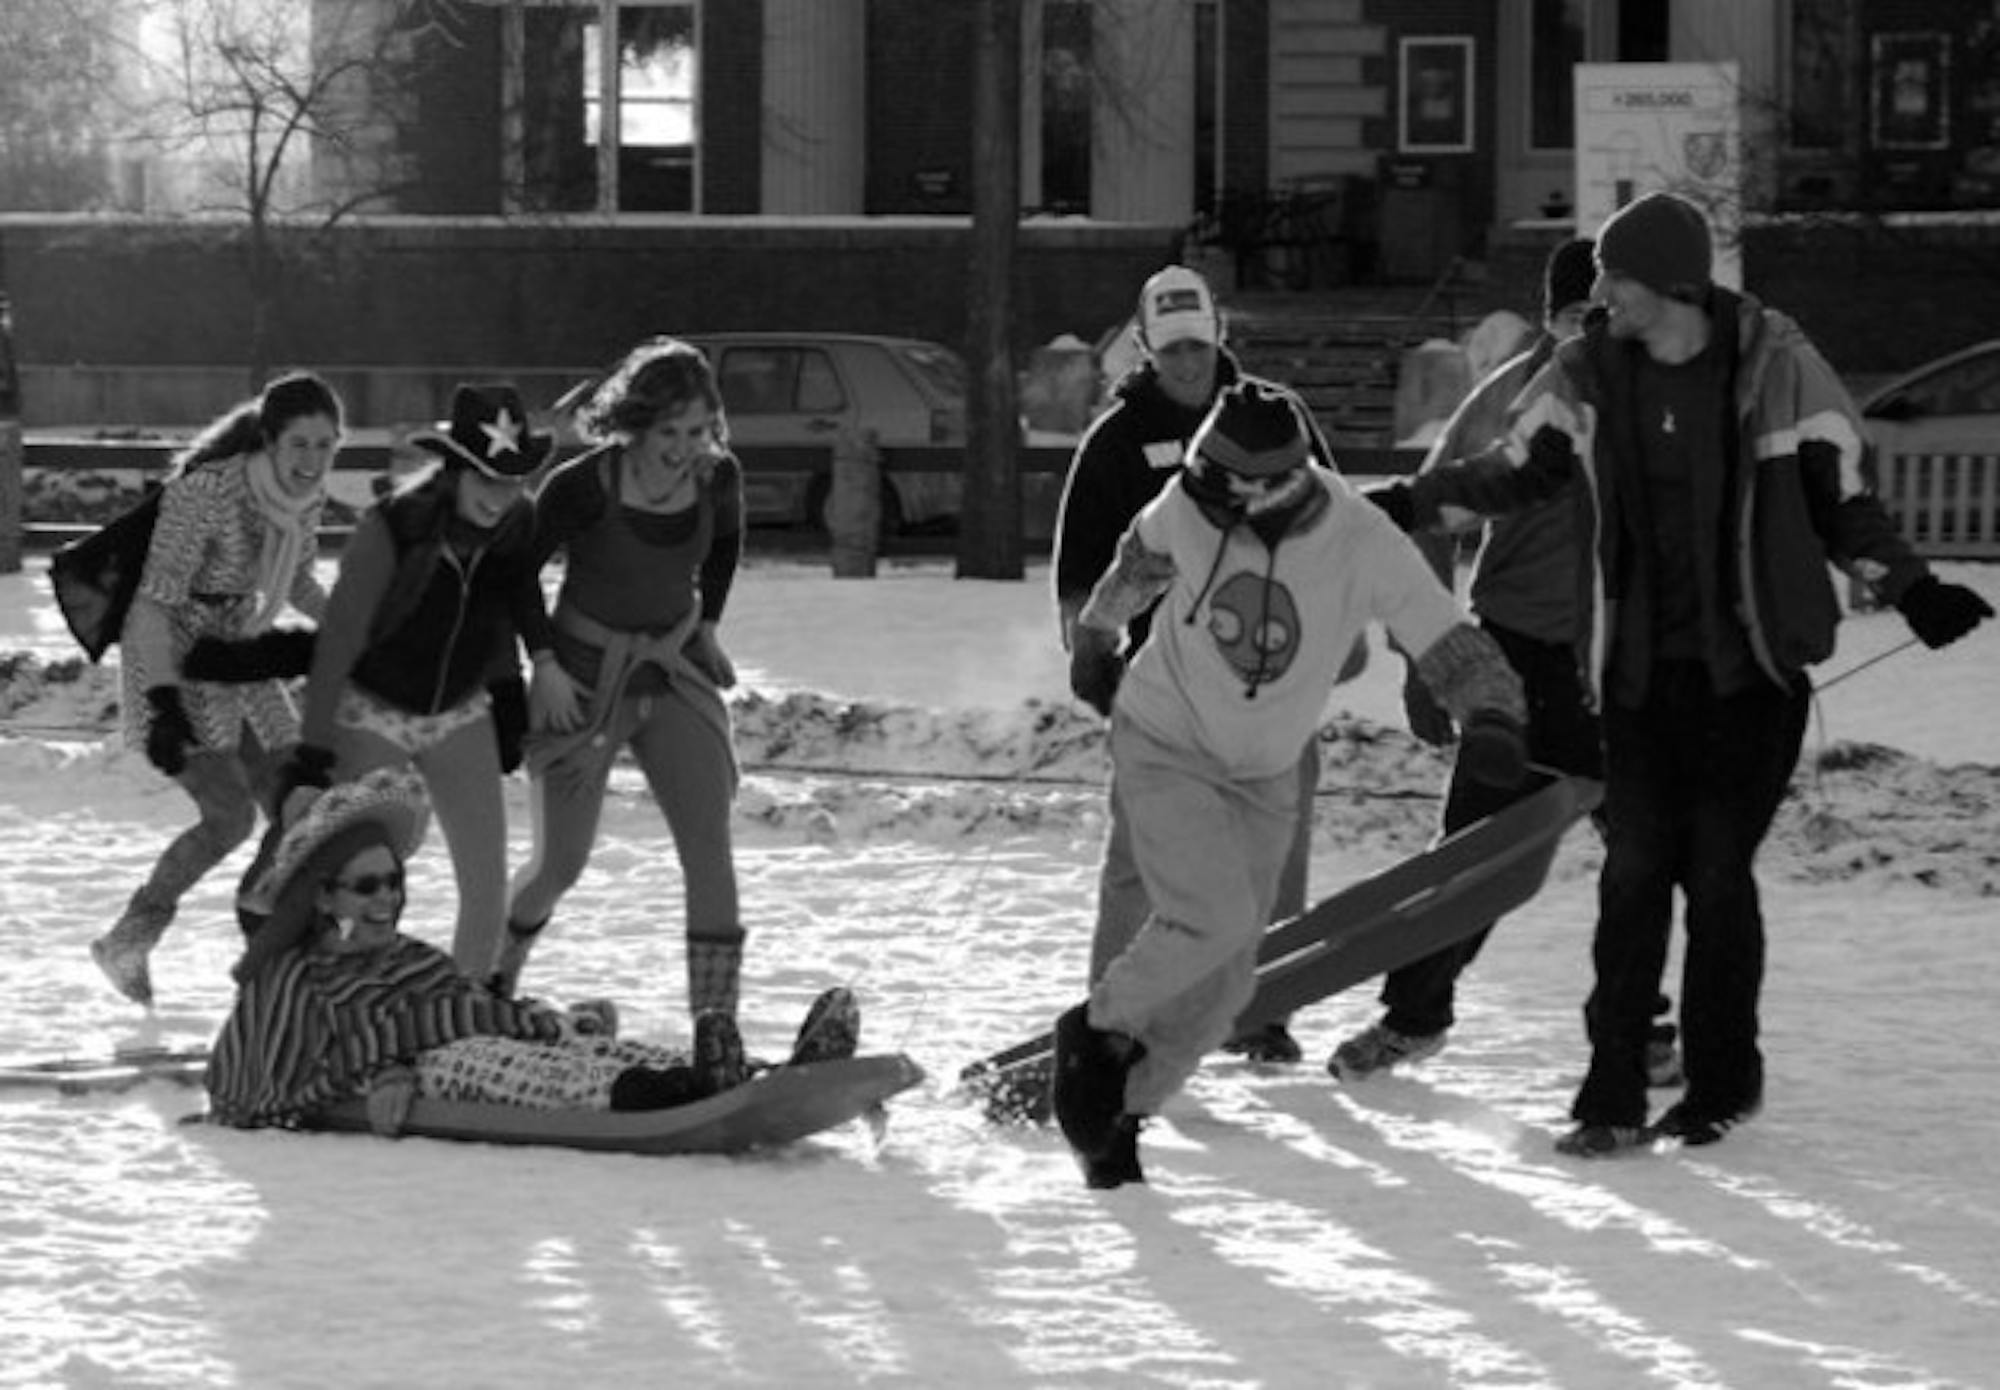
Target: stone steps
(1340,349)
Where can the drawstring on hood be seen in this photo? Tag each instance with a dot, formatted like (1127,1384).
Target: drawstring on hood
(1252,439)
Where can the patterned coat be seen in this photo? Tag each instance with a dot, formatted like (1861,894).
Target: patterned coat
(314,1027)
(201,580)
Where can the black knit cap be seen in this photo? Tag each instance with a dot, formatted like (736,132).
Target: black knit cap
(1568,276)
(1662,241)
(1252,431)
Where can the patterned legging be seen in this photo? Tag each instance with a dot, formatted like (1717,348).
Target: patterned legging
(571,1075)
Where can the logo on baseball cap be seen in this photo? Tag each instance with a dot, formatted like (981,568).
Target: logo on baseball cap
(1176,305)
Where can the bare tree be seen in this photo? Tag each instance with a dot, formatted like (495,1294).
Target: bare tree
(264,109)
(54,66)
(989,544)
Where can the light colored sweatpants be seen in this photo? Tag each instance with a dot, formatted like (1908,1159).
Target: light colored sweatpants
(1210,848)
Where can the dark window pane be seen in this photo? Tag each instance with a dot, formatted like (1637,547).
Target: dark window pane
(1556,39)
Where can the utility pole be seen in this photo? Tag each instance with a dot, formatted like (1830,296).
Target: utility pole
(989,541)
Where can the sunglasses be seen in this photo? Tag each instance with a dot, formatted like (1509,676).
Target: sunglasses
(368,885)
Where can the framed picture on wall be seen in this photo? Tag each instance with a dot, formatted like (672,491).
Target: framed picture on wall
(1909,90)
(1434,115)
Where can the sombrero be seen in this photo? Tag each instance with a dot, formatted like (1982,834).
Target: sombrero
(391,799)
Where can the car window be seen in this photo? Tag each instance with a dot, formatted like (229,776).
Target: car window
(820,392)
(1971,387)
(941,369)
(757,380)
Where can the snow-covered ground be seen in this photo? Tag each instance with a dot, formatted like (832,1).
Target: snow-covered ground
(920,818)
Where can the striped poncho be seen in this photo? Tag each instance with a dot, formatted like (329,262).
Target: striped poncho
(313,1027)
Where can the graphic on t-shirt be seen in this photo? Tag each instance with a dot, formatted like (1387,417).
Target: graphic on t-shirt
(1255,624)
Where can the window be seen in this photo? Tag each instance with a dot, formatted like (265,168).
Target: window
(1067,90)
(1965,388)
(559,66)
(1436,111)
(1556,44)
(1819,73)
(779,381)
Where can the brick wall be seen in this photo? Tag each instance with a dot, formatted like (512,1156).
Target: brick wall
(485,293)
(1877,300)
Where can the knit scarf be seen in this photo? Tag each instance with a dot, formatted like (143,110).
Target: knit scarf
(287,531)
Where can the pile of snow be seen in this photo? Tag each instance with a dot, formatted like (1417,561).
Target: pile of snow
(832,769)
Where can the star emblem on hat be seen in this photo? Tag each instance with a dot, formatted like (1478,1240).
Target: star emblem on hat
(503,435)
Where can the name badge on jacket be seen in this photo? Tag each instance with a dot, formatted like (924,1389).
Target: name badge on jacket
(1165,453)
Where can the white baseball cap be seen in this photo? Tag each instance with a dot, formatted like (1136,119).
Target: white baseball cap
(1177,305)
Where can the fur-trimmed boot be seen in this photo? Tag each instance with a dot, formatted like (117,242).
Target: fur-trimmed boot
(715,970)
(122,953)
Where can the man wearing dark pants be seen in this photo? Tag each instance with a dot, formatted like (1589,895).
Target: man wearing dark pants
(1524,595)
(1723,463)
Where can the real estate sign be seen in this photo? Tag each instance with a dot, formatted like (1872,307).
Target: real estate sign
(1642,127)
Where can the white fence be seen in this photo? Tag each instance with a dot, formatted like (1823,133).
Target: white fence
(1946,505)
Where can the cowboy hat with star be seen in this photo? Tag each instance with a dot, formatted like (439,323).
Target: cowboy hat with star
(488,431)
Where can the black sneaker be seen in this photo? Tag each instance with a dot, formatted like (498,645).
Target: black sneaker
(1119,1164)
(1089,1084)
(718,1053)
(1271,1045)
(1696,1129)
(1603,1141)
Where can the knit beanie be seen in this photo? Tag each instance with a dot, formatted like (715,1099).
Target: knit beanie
(1568,276)
(1252,431)
(1660,240)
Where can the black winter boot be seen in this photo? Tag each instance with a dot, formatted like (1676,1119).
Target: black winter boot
(1090,1081)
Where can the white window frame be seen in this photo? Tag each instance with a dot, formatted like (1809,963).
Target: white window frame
(513,57)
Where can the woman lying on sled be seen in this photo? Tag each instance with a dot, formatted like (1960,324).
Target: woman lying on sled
(335,1002)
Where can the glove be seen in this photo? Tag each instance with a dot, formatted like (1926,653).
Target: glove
(273,655)
(509,695)
(1426,717)
(1095,668)
(1551,461)
(169,734)
(1396,503)
(1941,613)
(309,767)
(1494,749)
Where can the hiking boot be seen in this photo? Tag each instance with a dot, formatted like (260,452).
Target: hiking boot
(1696,1129)
(122,954)
(1663,1058)
(832,1028)
(1271,1045)
(1090,1082)
(1603,1141)
(1379,1048)
(1118,1164)
(718,1053)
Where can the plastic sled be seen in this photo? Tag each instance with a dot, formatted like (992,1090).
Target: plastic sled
(773,1108)
(1427,902)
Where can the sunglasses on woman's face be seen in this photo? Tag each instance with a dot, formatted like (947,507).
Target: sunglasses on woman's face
(368,885)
